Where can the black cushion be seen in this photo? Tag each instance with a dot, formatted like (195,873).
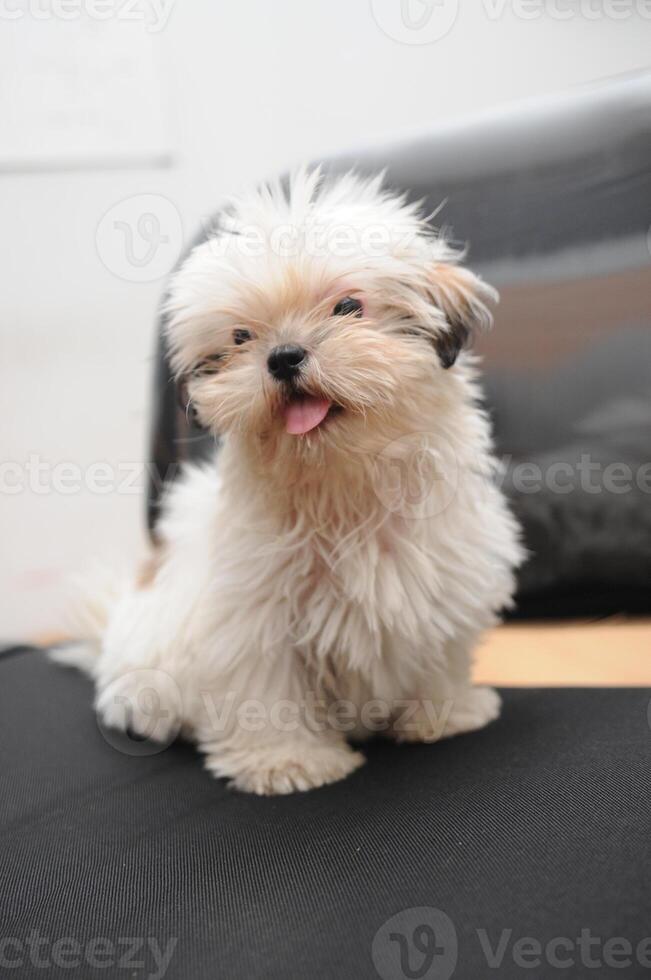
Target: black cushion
(538,825)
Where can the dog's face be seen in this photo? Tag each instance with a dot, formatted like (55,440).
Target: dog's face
(319,322)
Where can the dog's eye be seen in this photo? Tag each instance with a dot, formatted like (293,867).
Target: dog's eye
(349,306)
(241,336)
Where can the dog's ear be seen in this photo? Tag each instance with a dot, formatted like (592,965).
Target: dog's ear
(463,299)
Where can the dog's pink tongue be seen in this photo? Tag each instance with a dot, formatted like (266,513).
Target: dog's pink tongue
(305,414)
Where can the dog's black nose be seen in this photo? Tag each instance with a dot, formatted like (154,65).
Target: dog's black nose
(284,361)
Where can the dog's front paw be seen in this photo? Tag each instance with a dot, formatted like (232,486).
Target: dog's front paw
(476,708)
(145,702)
(284,768)
(429,722)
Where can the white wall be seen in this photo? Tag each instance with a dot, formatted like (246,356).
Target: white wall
(250,86)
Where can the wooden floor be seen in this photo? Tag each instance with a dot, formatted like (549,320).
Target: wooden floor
(613,652)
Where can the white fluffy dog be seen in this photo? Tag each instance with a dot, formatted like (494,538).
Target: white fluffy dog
(330,572)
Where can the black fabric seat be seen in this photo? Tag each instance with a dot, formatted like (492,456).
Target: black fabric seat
(537,827)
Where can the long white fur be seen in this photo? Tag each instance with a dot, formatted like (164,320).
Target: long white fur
(288,565)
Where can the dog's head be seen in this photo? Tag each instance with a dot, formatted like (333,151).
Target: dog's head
(316,319)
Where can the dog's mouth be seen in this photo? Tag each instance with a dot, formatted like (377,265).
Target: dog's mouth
(304,413)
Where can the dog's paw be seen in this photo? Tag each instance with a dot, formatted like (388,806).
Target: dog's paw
(476,708)
(473,709)
(285,768)
(144,702)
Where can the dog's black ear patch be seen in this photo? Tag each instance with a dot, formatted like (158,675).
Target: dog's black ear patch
(463,299)
(449,345)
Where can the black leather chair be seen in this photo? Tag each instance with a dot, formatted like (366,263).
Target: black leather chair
(521,851)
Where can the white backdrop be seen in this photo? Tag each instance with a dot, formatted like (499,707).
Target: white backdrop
(246,88)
